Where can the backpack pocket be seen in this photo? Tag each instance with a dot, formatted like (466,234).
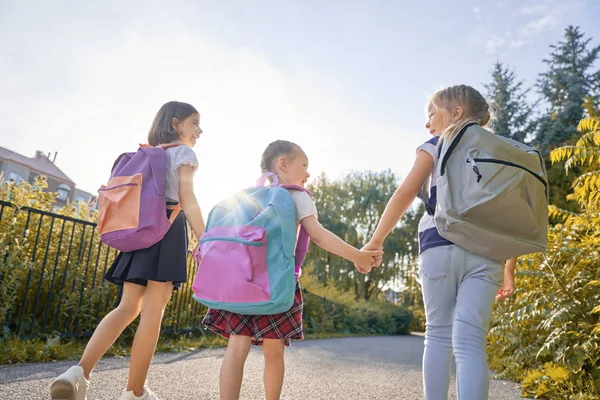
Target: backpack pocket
(503,196)
(119,204)
(233,266)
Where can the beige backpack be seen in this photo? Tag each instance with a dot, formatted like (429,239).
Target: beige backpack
(492,194)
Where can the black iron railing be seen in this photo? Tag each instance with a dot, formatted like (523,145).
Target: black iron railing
(51,274)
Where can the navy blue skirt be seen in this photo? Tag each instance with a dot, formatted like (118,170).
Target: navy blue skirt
(165,261)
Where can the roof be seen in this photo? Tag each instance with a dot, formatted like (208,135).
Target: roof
(41,164)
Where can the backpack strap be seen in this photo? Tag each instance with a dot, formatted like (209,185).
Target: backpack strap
(453,146)
(176,210)
(301,250)
(168,145)
(162,146)
(303,238)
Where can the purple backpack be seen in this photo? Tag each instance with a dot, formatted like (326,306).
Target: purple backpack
(133,206)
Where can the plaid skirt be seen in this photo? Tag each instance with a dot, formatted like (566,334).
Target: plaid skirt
(287,325)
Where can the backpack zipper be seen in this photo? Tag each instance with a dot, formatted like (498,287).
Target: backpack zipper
(475,169)
(473,161)
(117,186)
(231,239)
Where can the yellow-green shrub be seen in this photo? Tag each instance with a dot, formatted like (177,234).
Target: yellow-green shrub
(548,335)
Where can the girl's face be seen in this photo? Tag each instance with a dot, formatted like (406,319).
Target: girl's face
(438,120)
(188,130)
(293,170)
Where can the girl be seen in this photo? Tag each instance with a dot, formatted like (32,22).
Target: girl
(458,286)
(148,276)
(273,332)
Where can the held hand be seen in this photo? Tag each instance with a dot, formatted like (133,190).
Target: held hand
(366,259)
(508,287)
(363,270)
(375,246)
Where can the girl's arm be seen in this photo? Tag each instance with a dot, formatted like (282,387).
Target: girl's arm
(188,201)
(508,286)
(402,198)
(333,244)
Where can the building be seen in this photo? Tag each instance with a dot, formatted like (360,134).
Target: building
(391,296)
(17,167)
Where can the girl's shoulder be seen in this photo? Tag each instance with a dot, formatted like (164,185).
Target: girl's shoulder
(304,204)
(182,155)
(300,195)
(430,147)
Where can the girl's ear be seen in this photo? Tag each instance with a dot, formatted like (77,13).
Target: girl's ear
(175,124)
(282,163)
(457,113)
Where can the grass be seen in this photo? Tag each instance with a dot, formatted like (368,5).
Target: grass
(19,351)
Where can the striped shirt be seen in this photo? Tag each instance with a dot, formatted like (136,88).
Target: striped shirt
(428,233)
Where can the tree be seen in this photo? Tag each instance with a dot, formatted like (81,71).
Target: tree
(567,88)
(512,112)
(351,208)
(569,79)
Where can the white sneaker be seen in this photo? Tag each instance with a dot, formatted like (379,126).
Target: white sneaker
(147,395)
(71,385)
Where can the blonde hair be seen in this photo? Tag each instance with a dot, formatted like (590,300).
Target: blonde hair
(475,107)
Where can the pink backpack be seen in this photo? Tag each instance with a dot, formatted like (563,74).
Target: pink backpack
(250,259)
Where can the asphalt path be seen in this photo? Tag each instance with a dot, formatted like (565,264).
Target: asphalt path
(348,368)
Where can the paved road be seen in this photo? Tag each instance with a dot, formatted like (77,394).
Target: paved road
(351,368)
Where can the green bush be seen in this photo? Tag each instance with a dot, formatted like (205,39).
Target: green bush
(326,309)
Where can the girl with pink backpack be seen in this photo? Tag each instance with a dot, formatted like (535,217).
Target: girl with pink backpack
(156,179)
(275,331)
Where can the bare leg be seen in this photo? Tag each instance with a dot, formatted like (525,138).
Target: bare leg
(111,326)
(273,350)
(146,335)
(232,367)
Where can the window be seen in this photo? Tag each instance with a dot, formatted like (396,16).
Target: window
(63,192)
(13,176)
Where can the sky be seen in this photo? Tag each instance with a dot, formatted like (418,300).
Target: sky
(347,80)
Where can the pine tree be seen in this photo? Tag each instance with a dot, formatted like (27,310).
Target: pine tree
(568,88)
(513,115)
(564,87)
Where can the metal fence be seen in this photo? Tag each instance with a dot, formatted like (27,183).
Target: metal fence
(51,272)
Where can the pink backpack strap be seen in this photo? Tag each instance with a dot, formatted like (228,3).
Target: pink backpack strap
(301,249)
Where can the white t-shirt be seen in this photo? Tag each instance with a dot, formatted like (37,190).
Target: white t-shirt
(305,206)
(176,157)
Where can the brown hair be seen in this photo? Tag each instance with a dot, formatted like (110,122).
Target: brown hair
(475,107)
(275,150)
(161,131)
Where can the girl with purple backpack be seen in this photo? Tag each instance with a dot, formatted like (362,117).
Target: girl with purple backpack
(148,276)
(274,332)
